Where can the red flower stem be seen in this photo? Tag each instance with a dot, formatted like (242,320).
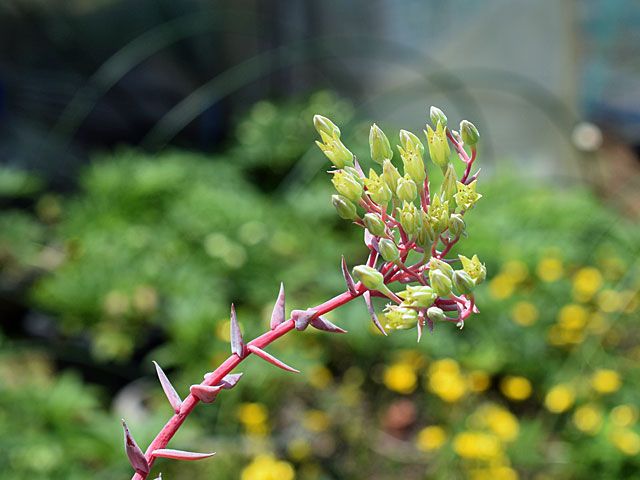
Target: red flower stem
(175,422)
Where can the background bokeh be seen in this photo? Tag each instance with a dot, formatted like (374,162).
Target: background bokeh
(157,163)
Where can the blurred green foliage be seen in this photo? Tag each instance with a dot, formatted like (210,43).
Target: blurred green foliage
(145,258)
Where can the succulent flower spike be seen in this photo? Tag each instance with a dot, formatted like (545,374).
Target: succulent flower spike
(237,345)
(271,359)
(408,230)
(169,391)
(278,315)
(180,454)
(136,458)
(205,393)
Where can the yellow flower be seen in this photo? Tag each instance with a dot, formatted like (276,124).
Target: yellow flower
(266,467)
(588,418)
(467,196)
(299,449)
(477,445)
(573,317)
(400,377)
(560,398)
(516,270)
(516,388)
(586,282)
(524,313)
(316,421)
(472,266)
(254,417)
(550,269)
(478,381)
(501,286)
(624,415)
(605,381)
(501,422)
(627,441)
(431,438)
(446,381)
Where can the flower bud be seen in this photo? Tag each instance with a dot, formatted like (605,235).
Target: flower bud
(406,190)
(462,281)
(369,276)
(444,267)
(437,116)
(422,296)
(426,234)
(335,151)
(469,133)
(448,188)
(344,207)
(390,175)
(413,166)
(346,185)
(324,125)
(410,218)
(411,143)
(436,314)
(379,145)
(438,146)
(374,224)
(438,215)
(440,283)
(456,225)
(400,317)
(377,189)
(388,250)
(355,174)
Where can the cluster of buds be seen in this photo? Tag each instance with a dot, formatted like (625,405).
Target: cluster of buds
(402,217)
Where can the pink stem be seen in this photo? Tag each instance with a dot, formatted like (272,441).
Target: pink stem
(174,423)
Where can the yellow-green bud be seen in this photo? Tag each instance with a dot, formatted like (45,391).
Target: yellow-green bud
(374,224)
(467,196)
(436,314)
(406,190)
(335,151)
(410,218)
(355,174)
(448,188)
(377,189)
(388,250)
(440,283)
(462,281)
(379,145)
(469,133)
(438,214)
(476,270)
(410,142)
(456,225)
(438,146)
(346,185)
(390,175)
(344,207)
(369,276)
(437,116)
(400,318)
(413,165)
(426,234)
(324,125)
(444,267)
(422,296)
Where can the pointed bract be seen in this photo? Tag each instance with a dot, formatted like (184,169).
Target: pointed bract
(372,312)
(135,455)
(302,318)
(237,345)
(271,359)
(230,381)
(322,323)
(180,454)
(420,324)
(278,314)
(348,278)
(169,391)
(205,393)
(159,477)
